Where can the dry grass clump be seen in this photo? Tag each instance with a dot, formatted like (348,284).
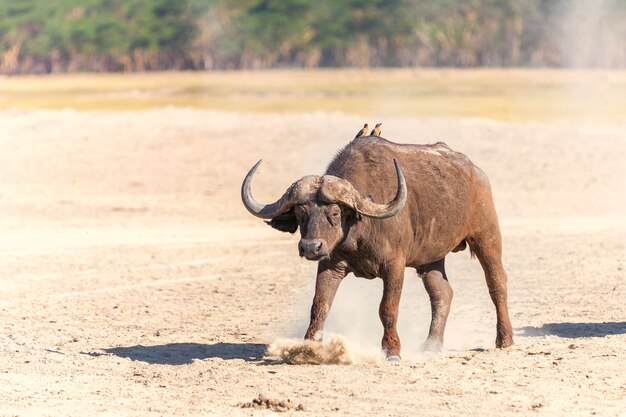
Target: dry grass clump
(280,406)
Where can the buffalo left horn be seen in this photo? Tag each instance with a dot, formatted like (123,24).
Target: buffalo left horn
(341,191)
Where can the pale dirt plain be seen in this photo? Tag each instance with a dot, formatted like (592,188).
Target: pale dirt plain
(134,283)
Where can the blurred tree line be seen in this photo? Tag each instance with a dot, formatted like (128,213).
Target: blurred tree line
(41,36)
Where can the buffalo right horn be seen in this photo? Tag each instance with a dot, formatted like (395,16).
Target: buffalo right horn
(264,211)
(298,192)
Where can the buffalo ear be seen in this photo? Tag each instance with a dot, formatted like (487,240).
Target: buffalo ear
(285,222)
(352,216)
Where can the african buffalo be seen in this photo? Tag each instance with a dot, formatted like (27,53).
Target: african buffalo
(444,204)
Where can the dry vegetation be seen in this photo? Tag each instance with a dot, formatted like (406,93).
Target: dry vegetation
(500,94)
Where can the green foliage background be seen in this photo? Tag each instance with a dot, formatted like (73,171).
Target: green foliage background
(40,36)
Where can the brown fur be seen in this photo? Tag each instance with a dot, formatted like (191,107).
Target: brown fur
(449,206)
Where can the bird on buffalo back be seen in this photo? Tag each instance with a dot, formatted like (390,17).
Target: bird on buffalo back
(362,132)
(376,130)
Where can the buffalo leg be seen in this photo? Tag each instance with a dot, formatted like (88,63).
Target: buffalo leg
(388,311)
(328,279)
(488,249)
(440,293)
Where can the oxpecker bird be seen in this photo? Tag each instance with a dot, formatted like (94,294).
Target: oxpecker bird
(376,130)
(362,132)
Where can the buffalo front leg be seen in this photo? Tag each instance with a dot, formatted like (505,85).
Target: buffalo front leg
(440,293)
(388,311)
(329,276)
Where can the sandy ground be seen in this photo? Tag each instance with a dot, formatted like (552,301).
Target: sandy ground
(133,282)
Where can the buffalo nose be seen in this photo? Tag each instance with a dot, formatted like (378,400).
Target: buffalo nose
(310,246)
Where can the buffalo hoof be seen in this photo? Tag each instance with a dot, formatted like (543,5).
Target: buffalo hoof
(431,345)
(393,358)
(503,343)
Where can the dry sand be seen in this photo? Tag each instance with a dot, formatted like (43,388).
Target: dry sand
(133,282)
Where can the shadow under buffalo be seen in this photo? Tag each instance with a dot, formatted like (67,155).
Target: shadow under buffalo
(575,330)
(185,353)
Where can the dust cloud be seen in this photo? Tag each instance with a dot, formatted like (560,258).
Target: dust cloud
(336,351)
(589,36)
(353,331)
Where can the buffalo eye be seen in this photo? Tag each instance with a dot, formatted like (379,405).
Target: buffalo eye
(333,215)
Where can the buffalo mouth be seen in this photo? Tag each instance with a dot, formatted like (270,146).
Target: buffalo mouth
(317,257)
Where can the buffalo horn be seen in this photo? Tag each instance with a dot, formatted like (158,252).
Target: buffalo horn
(341,191)
(264,211)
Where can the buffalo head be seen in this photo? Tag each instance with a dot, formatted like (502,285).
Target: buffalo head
(323,208)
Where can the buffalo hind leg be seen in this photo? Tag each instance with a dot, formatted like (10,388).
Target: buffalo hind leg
(329,276)
(440,293)
(393,280)
(488,248)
